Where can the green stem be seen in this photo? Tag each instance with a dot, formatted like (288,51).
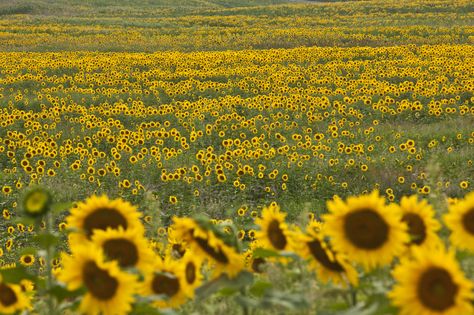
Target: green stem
(49,271)
(353,292)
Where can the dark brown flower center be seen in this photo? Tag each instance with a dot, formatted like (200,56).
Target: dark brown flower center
(104,218)
(216,254)
(190,272)
(257,264)
(7,295)
(98,281)
(366,229)
(437,290)
(27,259)
(468,221)
(416,228)
(276,235)
(122,250)
(178,250)
(318,252)
(165,284)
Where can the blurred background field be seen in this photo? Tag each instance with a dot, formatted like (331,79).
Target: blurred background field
(149,26)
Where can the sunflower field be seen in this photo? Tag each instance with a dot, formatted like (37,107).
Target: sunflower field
(237,156)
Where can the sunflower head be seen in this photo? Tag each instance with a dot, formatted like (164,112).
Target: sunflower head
(128,247)
(460,220)
(100,213)
(365,229)
(192,266)
(109,290)
(431,283)
(328,265)
(167,279)
(12,298)
(210,244)
(274,233)
(27,260)
(419,218)
(36,202)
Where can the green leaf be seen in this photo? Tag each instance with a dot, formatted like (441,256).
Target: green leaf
(61,293)
(264,253)
(26,221)
(259,288)
(61,206)
(27,251)
(15,275)
(241,280)
(285,300)
(149,309)
(45,240)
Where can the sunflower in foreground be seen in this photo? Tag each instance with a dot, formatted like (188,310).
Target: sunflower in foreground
(365,229)
(192,266)
(254,264)
(168,280)
(128,247)
(204,243)
(274,232)
(101,213)
(12,299)
(328,266)
(109,290)
(419,217)
(176,247)
(431,284)
(460,220)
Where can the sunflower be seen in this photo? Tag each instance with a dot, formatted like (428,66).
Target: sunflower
(128,247)
(100,213)
(365,229)
(204,243)
(36,202)
(109,290)
(431,284)
(27,260)
(274,233)
(168,280)
(27,286)
(192,266)
(176,247)
(419,217)
(460,220)
(254,264)
(327,264)
(12,299)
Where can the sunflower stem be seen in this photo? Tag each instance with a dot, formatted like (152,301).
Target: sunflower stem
(353,293)
(245,308)
(49,273)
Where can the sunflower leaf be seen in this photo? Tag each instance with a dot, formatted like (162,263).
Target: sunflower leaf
(264,253)
(27,251)
(61,206)
(224,282)
(61,293)
(259,288)
(45,240)
(149,309)
(15,275)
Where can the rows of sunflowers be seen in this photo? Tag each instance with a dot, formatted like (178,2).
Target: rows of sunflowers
(237,157)
(113,268)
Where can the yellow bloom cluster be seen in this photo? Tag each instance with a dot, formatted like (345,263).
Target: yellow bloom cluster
(111,262)
(149,28)
(271,122)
